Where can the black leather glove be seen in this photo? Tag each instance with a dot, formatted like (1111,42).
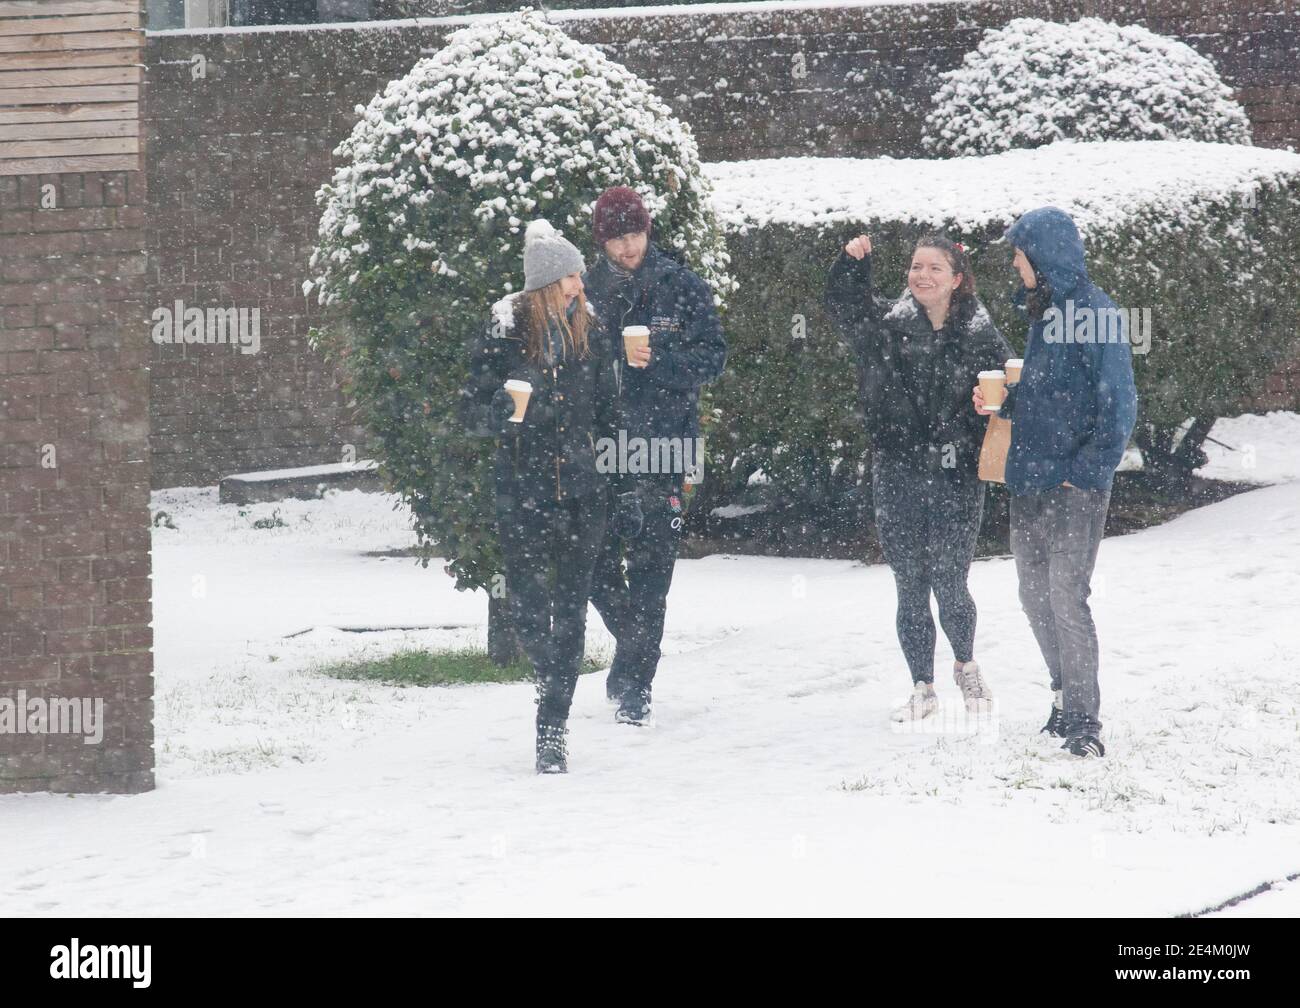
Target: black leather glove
(502,408)
(628,516)
(1009,402)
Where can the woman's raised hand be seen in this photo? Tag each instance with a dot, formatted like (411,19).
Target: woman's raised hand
(977,398)
(859,247)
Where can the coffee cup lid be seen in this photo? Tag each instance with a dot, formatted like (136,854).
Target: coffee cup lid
(636,330)
(993,374)
(1016,362)
(515,385)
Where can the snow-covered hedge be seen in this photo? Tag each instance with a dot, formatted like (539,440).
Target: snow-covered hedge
(1202,235)
(1034,82)
(421,230)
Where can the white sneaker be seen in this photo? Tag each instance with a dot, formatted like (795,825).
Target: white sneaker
(921,704)
(973,688)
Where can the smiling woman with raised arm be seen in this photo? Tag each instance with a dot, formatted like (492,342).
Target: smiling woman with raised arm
(916,358)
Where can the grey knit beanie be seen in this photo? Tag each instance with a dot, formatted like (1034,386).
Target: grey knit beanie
(548,256)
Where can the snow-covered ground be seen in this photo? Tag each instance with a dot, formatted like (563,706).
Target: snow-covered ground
(771,781)
(1254,449)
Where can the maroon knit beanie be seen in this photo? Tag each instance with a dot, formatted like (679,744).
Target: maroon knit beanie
(619,211)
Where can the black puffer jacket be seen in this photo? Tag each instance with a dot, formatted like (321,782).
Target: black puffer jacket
(914,384)
(551,454)
(688,349)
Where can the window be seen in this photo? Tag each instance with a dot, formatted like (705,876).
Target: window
(219,13)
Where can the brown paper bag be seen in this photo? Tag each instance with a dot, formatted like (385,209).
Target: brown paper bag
(993,453)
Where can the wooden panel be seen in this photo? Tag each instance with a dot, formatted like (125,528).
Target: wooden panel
(57,166)
(69,148)
(73,40)
(61,25)
(68,113)
(65,78)
(61,95)
(60,58)
(70,79)
(37,8)
(67,130)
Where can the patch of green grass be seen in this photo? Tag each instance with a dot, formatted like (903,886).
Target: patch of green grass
(275,521)
(436,668)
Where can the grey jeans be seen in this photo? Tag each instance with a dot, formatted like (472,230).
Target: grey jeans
(1054,537)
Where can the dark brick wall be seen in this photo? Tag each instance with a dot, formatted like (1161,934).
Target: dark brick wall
(74,475)
(238,154)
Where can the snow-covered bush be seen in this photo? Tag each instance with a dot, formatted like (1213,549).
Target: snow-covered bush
(1199,236)
(1034,82)
(421,230)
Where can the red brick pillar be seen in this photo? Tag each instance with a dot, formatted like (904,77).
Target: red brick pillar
(76,671)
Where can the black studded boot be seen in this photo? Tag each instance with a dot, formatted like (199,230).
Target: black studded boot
(552,754)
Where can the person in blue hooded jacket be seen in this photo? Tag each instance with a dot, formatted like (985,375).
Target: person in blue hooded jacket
(1072,413)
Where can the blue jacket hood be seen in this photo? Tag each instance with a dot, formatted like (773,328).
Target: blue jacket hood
(1075,405)
(1050,240)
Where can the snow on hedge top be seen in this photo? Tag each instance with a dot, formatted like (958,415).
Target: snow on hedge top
(511,120)
(1034,82)
(1101,184)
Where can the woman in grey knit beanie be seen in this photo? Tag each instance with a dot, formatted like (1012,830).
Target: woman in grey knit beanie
(551,496)
(548,256)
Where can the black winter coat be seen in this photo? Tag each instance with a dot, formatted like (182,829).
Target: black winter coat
(551,454)
(914,384)
(687,347)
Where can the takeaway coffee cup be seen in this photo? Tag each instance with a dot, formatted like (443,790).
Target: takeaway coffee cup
(994,386)
(1013,367)
(635,336)
(519,392)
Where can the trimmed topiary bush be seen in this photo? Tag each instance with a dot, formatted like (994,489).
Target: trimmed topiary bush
(1199,237)
(421,230)
(1034,82)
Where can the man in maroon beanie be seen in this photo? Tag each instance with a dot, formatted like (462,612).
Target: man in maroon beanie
(634,283)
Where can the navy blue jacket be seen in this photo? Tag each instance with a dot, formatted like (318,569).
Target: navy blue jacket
(687,348)
(1074,407)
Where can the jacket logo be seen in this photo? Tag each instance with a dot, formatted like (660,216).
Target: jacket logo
(667,323)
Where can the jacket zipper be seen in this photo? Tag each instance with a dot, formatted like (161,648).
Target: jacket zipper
(620,354)
(559,441)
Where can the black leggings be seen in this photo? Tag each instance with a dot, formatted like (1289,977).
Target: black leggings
(550,549)
(928,523)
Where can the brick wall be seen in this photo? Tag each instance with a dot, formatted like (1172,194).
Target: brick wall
(239,152)
(74,476)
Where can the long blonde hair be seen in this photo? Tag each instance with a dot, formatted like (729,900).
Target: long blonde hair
(545,307)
